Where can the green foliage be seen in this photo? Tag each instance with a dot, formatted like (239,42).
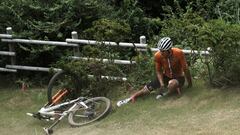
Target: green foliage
(46,20)
(229,10)
(131,13)
(223,38)
(143,71)
(183,31)
(90,74)
(192,32)
(109,30)
(205,8)
(53,19)
(189,23)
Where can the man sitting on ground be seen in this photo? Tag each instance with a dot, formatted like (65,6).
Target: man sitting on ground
(171,70)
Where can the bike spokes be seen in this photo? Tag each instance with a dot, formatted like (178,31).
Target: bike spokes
(97,108)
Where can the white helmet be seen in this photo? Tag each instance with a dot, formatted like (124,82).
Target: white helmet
(164,44)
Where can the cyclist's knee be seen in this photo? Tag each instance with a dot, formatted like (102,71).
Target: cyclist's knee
(173,85)
(145,89)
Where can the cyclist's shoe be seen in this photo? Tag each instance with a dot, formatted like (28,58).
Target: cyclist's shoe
(159,96)
(122,102)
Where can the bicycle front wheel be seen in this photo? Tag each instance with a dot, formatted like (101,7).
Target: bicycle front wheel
(99,107)
(63,82)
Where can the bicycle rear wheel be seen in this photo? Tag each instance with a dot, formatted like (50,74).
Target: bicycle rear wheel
(63,83)
(99,107)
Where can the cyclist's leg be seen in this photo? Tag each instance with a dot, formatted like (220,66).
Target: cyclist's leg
(146,89)
(176,85)
(141,92)
(173,86)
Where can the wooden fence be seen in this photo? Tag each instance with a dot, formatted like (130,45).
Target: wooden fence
(73,42)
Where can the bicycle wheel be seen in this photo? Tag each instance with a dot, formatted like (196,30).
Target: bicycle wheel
(99,107)
(63,82)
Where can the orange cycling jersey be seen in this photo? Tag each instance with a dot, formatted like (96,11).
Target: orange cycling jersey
(172,66)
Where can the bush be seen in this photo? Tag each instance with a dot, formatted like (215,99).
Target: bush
(224,40)
(143,71)
(93,85)
(192,32)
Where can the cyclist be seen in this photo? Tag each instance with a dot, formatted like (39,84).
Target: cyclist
(171,70)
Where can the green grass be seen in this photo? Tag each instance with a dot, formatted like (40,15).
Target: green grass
(200,110)
(14,106)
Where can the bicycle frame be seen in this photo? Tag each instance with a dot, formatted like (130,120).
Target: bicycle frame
(49,110)
(82,108)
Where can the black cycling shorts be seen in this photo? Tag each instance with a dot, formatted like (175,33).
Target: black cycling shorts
(154,84)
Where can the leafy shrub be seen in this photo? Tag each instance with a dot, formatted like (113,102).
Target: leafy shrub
(224,39)
(109,30)
(90,75)
(143,71)
(192,32)
(228,10)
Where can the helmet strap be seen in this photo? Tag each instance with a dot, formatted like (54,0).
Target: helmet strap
(169,52)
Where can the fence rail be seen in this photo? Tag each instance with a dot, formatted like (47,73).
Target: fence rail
(108,43)
(75,43)
(123,62)
(12,68)
(31,68)
(5,36)
(7,70)
(7,53)
(39,42)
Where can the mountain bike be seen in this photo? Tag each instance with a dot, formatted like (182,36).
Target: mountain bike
(63,101)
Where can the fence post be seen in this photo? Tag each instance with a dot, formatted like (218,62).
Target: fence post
(11,46)
(142,40)
(75,49)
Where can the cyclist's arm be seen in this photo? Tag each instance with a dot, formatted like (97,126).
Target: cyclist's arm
(186,70)
(160,77)
(188,77)
(159,71)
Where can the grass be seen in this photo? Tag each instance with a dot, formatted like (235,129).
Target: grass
(200,110)
(14,106)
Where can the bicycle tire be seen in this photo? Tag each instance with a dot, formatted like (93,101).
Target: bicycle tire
(104,113)
(57,77)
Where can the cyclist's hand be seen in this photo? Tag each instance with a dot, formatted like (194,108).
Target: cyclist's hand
(179,91)
(160,90)
(161,87)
